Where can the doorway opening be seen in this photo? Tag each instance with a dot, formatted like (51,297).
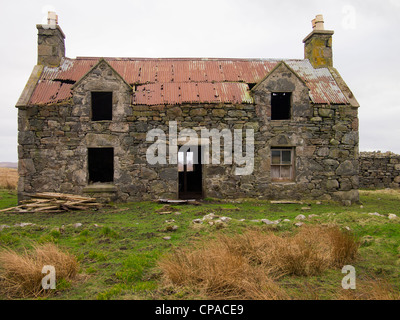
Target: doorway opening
(190,172)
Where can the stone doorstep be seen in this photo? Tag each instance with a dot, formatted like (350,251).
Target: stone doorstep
(100,188)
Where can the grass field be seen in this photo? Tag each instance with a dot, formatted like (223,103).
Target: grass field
(8,178)
(122,250)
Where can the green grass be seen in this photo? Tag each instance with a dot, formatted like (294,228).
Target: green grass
(8,198)
(118,247)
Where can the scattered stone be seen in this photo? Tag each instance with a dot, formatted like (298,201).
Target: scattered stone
(210,216)
(225,219)
(254,220)
(177,213)
(299,224)
(306,209)
(167,238)
(165,212)
(241,220)
(361,207)
(312,216)
(97,226)
(169,221)
(300,217)
(198,221)
(347,228)
(286,220)
(318,203)
(392,216)
(23,224)
(77,225)
(172,228)
(375,214)
(266,221)
(219,224)
(3,226)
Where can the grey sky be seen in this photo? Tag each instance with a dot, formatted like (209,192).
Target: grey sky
(366,45)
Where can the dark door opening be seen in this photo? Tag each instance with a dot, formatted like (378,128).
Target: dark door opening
(101,164)
(190,173)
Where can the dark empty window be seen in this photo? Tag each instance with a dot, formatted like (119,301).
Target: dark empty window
(280,105)
(101,164)
(101,106)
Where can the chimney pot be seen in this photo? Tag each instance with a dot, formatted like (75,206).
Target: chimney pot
(52,18)
(318,22)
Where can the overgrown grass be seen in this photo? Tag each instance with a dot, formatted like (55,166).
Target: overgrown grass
(8,178)
(118,248)
(248,266)
(21,273)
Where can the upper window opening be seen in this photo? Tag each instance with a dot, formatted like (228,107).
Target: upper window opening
(280,105)
(101,106)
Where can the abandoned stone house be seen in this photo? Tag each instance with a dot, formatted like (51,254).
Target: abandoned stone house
(83,124)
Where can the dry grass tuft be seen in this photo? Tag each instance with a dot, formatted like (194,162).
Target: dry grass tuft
(247,266)
(8,178)
(21,274)
(370,289)
(219,274)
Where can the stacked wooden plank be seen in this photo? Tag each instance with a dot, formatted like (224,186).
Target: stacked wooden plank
(54,203)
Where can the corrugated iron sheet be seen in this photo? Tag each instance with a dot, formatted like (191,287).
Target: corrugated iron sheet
(191,92)
(323,87)
(50,92)
(175,81)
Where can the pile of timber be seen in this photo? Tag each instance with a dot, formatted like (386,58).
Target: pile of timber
(54,203)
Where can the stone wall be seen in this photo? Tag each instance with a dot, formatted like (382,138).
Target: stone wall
(379,170)
(54,142)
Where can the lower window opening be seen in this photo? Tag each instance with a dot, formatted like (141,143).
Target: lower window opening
(282,164)
(101,164)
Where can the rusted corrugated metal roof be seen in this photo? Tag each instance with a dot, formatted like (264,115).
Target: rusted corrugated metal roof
(186,80)
(191,92)
(50,92)
(323,87)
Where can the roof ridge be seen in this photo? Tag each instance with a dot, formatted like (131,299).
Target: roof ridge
(183,59)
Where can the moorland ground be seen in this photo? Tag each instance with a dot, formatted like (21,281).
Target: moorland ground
(127,250)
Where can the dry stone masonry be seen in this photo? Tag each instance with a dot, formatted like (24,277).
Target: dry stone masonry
(306,148)
(379,170)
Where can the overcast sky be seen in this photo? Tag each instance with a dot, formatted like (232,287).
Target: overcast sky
(366,45)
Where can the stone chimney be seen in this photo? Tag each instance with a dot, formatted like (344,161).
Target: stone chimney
(51,45)
(318,44)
